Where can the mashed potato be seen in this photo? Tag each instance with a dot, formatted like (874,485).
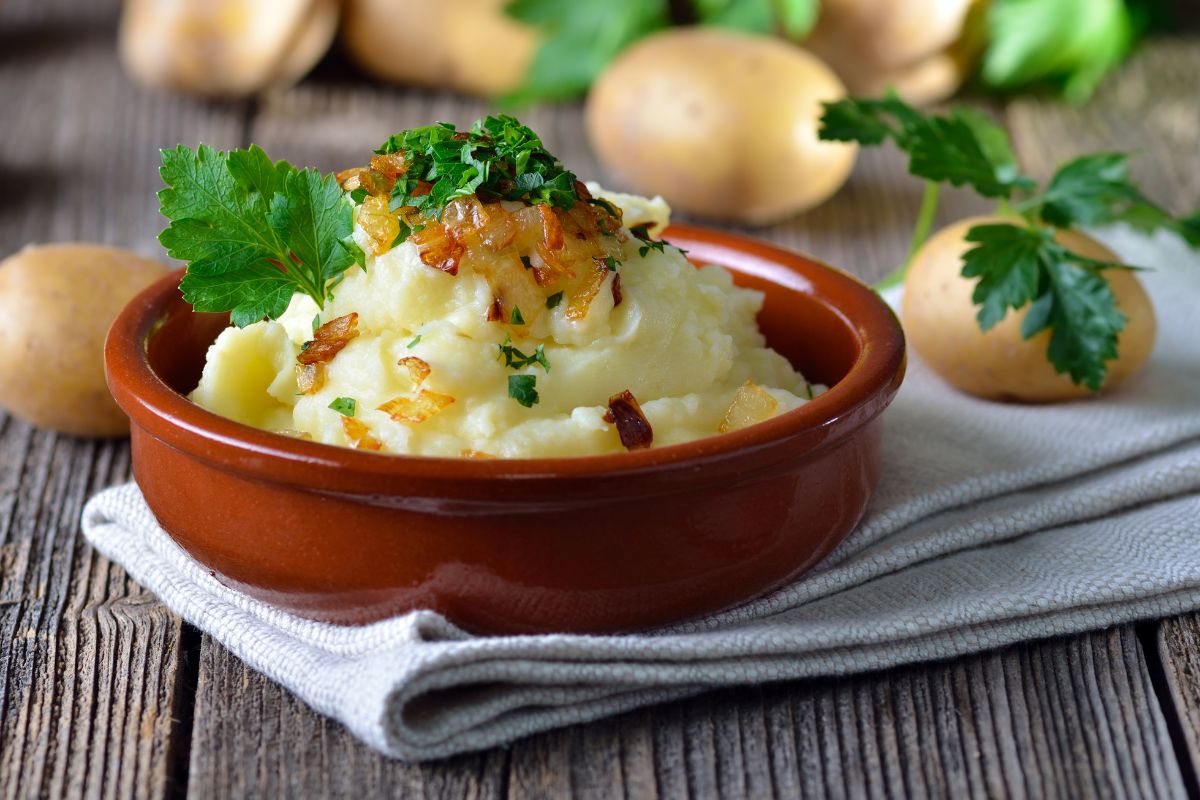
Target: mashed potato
(682,340)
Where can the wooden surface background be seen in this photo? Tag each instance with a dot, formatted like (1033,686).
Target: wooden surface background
(104,693)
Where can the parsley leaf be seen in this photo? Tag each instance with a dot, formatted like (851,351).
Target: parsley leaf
(521,388)
(516,318)
(253,232)
(346,406)
(1018,266)
(415,341)
(960,147)
(1096,190)
(553,300)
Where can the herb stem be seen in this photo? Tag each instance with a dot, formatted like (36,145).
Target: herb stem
(925,218)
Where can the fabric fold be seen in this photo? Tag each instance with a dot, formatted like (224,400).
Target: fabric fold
(992,524)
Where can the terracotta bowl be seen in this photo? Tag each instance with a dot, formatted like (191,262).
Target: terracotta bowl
(601,543)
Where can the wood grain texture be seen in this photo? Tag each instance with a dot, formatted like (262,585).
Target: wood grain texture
(1070,718)
(89,662)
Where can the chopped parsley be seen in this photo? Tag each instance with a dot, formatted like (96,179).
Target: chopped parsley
(316,323)
(522,389)
(416,341)
(516,318)
(553,300)
(345,406)
(526,263)
(497,159)
(517,360)
(611,263)
(642,232)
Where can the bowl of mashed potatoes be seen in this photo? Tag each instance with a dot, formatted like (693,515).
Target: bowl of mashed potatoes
(523,417)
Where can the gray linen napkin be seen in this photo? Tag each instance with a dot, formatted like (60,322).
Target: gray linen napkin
(992,524)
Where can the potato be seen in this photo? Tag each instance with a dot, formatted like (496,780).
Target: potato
(939,321)
(920,48)
(57,302)
(467,45)
(721,124)
(224,48)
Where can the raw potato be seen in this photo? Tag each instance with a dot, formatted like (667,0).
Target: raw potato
(920,48)
(467,45)
(939,321)
(721,124)
(224,48)
(56,305)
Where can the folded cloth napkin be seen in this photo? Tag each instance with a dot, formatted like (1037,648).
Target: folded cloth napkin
(992,524)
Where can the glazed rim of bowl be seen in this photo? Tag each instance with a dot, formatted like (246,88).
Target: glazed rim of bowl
(858,397)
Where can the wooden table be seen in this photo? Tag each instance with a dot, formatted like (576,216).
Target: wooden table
(103,692)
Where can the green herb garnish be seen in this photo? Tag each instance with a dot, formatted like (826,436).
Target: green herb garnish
(498,158)
(521,388)
(526,263)
(611,263)
(516,318)
(517,360)
(1019,263)
(254,232)
(642,232)
(553,300)
(345,406)
(416,341)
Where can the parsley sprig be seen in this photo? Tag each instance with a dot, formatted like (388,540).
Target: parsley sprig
(498,158)
(1021,263)
(254,232)
(522,387)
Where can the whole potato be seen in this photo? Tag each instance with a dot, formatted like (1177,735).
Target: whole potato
(56,304)
(224,48)
(939,321)
(467,45)
(920,48)
(721,124)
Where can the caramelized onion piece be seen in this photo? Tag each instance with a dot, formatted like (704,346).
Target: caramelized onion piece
(329,340)
(390,165)
(616,290)
(360,435)
(310,378)
(465,214)
(552,231)
(547,267)
(350,179)
(416,409)
(632,425)
(378,223)
(751,405)
(295,434)
(495,311)
(438,247)
(586,292)
(418,369)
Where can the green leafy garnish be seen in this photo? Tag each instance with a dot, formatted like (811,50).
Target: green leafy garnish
(517,360)
(254,232)
(499,158)
(415,341)
(345,406)
(516,318)
(642,232)
(1019,264)
(521,388)
(611,263)
(553,300)
(1070,44)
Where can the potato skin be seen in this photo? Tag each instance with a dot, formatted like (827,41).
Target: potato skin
(56,305)
(939,321)
(466,45)
(721,124)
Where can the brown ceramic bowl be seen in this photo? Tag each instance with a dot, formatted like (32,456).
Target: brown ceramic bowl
(600,543)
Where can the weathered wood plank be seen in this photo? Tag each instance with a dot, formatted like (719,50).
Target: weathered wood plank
(1072,717)
(89,662)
